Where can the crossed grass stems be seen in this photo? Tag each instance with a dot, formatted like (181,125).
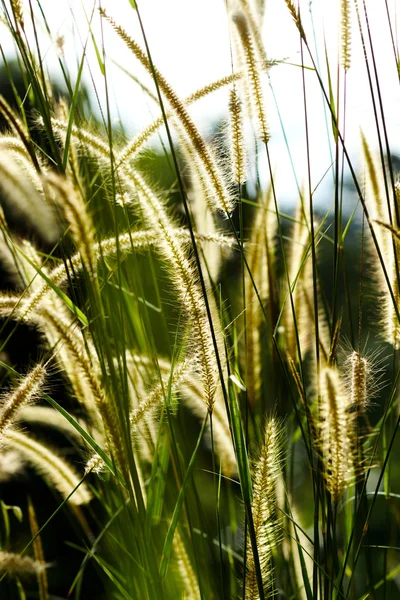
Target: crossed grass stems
(261,380)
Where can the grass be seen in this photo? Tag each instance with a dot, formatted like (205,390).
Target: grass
(199,388)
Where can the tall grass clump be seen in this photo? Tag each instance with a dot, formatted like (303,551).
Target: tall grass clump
(199,337)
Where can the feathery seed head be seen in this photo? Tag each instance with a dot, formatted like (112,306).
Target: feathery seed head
(20,565)
(95,464)
(11,464)
(187,576)
(296,17)
(238,148)
(135,145)
(253,67)
(346,34)
(360,374)
(24,196)
(55,470)
(261,261)
(266,524)
(76,213)
(382,211)
(18,12)
(336,433)
(156,396)
(28,390)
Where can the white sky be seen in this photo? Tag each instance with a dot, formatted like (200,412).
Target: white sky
(189,42)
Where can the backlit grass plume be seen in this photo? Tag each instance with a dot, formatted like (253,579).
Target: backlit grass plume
(266,523)
(336,433)
(20,188)
(182,269)
(55,470)
(253,69)
(188,579)
(297,317)
(238,149)
(360,377)
(19,565)
(25,393)
(345,34)
(260,292)
(76,214)
(133,147)
(382,211)
(187,287)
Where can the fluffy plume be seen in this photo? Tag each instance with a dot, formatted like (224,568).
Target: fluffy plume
(336,433)
(135,145)
(20,565)
(156,397)
(238,148)
(18,12)
(360,375)
(261,258)
(95,464)
(20,189)
(266,524)
(346,34)
(76,213)
(187,287)
(302,286)
(381,209)
(190,588)
(253,66)
(58,473)
(26,392)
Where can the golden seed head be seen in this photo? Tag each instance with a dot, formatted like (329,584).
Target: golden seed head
(346,35)
(336,433)
(360,372)
(21,565)
(253,66)
(18,12)
(238,148)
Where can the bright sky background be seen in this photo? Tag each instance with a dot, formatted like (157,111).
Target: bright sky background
(189,42)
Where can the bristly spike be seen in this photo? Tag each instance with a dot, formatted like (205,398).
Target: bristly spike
(382,210)
(20,565)
(77,215)
(345,35)
(238,148)
(296,17)
(26,392)
(253,64)
(267,527)
(336,433)
(54,469)
(18,11)
(360,373)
